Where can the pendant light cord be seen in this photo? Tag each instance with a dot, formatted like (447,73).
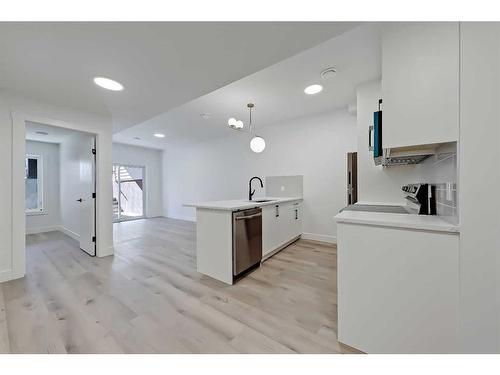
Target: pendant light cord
(250,120)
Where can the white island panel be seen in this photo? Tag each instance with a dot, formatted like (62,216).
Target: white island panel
(214,255)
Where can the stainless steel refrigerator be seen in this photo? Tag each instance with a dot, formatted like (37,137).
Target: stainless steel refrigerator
(352,177)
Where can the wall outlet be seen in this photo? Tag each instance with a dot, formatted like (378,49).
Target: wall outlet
(282,188)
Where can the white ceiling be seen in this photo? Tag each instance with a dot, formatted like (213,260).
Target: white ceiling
(277,92)
(161,64)
(55,134)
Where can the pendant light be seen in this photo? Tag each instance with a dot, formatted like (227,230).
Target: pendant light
(257,143)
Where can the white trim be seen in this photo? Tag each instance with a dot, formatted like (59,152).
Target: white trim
(70,233)
(180,217)
(319,237)
(18,228)
(50,228)
(5,275)
(106,252)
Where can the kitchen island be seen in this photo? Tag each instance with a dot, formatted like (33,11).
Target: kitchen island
(281,225)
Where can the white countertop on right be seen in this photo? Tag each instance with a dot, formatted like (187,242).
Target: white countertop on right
(421,222)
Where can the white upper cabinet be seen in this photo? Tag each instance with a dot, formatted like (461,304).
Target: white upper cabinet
(420,83)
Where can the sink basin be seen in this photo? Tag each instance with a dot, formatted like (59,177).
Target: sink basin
(262,200)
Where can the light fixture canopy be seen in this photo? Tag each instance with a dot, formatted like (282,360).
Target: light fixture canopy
(108,84)
(159,135)
(257,144)
(313,89)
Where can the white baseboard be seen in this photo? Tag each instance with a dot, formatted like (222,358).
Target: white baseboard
(37,230)
(319,237)
(70,233)
(178,217)
(5,275)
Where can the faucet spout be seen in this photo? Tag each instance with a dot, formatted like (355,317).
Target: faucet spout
(250,191)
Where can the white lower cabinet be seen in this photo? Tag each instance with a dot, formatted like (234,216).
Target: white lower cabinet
(281,223)
(398,289)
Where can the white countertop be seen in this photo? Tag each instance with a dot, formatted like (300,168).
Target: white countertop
(411,221)
(240,204)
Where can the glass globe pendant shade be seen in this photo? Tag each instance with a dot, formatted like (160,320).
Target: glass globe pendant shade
(257,144)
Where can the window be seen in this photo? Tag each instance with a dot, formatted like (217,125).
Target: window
(33,181)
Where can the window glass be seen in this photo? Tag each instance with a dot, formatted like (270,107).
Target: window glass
(33,184)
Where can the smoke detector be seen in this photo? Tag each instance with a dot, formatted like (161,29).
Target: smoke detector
(328,73)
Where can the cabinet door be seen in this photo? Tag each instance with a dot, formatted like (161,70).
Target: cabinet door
(271,231)
(420,83)
(296,219)
(397,289)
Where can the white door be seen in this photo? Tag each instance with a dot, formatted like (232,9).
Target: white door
(86,188)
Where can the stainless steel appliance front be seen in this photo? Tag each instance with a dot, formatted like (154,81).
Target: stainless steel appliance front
(247,239)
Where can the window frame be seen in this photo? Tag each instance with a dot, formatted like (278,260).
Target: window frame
(40,210)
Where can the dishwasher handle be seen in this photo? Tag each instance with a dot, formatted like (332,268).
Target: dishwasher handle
(247,217)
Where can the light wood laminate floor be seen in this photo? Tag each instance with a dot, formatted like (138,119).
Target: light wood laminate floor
(149,298)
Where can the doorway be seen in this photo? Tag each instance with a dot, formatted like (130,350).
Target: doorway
(128,192)
(60,183)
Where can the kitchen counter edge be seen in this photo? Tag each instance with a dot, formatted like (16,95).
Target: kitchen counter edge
(409,221)
(235,205)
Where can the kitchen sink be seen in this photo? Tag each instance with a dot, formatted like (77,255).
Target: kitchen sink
(262,200)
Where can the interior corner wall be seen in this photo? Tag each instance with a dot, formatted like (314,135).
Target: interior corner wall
(151,159)
(479,176)
(51,218)
(12,146)
(6,192)
(219,169)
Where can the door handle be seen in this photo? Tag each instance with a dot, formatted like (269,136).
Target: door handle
(79,200)
(370,134)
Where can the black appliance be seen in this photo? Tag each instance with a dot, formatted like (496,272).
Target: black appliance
(421,198)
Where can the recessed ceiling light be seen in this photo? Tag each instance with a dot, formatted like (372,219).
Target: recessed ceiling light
(42,133)
(108,84)
(159,135)
(313,89)
(137,138)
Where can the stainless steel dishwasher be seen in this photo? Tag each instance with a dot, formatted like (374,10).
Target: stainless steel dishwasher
(247,240)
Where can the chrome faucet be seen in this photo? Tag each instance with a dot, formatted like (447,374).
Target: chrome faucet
(250,192)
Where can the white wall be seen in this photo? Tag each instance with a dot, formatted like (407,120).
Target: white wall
(479,184)
(50,219)
(152,160)
(14,110)
(314,147)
